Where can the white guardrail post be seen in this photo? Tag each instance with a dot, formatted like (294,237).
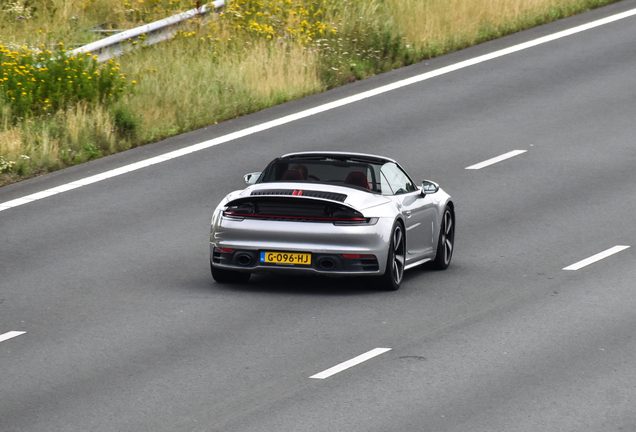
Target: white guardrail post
(152,33)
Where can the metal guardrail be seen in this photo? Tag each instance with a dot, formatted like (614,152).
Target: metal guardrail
(148,34)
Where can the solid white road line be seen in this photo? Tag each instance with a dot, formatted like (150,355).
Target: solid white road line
(496,159)
(349,363)
(313,111)
(597,257)
(10,335)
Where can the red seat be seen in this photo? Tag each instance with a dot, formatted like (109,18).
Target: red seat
(357,178)
(292,174)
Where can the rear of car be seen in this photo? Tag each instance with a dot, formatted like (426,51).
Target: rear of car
(310,231)
(331,213)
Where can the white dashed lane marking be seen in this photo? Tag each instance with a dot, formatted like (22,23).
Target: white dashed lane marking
(595,258)
(10,335)
(494,160)
(350,363)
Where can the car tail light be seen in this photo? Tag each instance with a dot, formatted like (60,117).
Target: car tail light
(357,221)
(358,256)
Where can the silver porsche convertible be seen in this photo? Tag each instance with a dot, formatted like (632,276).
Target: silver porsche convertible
(335,214)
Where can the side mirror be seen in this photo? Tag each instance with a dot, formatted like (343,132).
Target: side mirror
(251,178)
(429,187)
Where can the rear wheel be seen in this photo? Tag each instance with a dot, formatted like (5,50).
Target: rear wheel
(446,242)
(394,272)
(229,276)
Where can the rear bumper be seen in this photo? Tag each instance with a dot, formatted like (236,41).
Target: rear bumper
(326,242)
(321,263)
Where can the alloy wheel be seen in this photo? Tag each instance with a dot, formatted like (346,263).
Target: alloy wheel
(399,248)
(448,236)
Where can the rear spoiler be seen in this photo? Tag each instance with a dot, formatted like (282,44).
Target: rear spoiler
(332,196)
(292,207)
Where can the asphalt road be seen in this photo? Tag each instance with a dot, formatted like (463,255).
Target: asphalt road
(126,331)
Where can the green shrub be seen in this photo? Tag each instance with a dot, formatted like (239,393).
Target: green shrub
(35,83)
(126,123)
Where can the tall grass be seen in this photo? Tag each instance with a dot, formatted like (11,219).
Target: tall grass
(252,55)
(439,26)
(245,78)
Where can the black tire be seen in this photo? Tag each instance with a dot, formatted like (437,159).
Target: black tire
(446,241)
(394,272)
(228,276)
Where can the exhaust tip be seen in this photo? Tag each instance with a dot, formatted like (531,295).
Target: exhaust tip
(244,259)
(327,264)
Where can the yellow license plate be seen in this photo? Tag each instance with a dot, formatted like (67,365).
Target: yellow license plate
(291,258)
